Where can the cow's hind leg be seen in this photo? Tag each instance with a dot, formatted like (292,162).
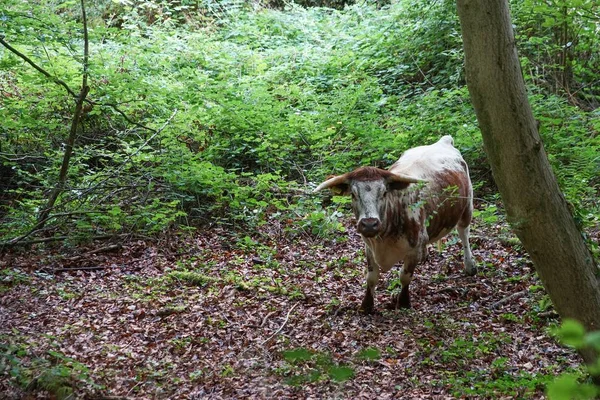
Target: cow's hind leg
(368,302)
(463,233)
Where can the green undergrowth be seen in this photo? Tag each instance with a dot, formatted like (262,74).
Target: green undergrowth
(250,110)
(257,283)
(50,372)
(576,384)
(479,383)
(10,277)
(301,366)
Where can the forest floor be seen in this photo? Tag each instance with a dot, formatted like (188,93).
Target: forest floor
(272,314)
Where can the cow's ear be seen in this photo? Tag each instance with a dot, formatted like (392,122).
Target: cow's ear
(341,190)
(399,182)
(339,185)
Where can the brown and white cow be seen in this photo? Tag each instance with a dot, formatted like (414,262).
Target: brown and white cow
(418,200)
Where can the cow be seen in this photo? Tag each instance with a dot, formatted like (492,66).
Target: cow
(420,199)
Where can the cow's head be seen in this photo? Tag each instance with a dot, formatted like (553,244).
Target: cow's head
(369,188)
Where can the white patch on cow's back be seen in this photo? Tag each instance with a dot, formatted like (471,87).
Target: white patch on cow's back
(424,162)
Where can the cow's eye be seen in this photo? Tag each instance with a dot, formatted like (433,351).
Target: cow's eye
(353,196)
(384,194)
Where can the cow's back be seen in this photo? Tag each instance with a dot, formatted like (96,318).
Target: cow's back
(424,162)
(447,194)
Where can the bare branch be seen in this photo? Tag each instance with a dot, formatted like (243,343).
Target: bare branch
(67,88)
(38,68)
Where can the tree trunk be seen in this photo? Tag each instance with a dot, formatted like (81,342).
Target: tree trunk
(535,206)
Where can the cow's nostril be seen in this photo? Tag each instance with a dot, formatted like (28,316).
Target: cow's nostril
(369,224)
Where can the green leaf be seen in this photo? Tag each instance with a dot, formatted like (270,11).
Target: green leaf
(571,333)
(566,387)
(369,354)
(593,339)
(562,388)
(340,373)
(297,355)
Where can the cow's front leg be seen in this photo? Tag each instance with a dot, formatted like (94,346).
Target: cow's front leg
(402,300)
(372,274)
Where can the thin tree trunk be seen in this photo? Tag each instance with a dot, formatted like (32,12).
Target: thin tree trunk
(535,206)
(81,98)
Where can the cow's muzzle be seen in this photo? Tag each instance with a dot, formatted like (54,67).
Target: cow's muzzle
(369,227)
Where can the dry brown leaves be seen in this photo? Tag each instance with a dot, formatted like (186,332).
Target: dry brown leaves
(144,335)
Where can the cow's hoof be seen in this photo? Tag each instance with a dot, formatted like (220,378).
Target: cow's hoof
(399,301)
(471,271)
(367,305)
(405,304)
(396,306)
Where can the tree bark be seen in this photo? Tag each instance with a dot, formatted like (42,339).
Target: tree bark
(535,205)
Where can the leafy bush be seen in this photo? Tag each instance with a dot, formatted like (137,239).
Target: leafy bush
(559,39)
(569,386)
(229,115)
(53,372)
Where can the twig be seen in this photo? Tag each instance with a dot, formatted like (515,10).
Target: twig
(510,298)
(68,89)
(282,325)
(96,268)
(548,314)
(130,156)
(131,390)
(264,321)
(53,239)
(104,249)
(448,289)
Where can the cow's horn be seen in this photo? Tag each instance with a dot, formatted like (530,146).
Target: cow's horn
(336,180)
(395,177)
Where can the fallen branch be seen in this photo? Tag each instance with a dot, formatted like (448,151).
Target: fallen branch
(548,314)
(10,244)
(104,249)
(510,298)
(96,268)
(282,325)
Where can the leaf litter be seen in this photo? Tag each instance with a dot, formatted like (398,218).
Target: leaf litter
(216,315)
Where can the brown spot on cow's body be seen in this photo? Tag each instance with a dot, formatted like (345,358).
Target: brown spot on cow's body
(451,200)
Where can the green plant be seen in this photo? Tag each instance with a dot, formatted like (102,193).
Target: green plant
(488,215)
(369,354)
(53,372)
(12,277)
(560,35)
(569,386)
(308,366)
(191,277)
